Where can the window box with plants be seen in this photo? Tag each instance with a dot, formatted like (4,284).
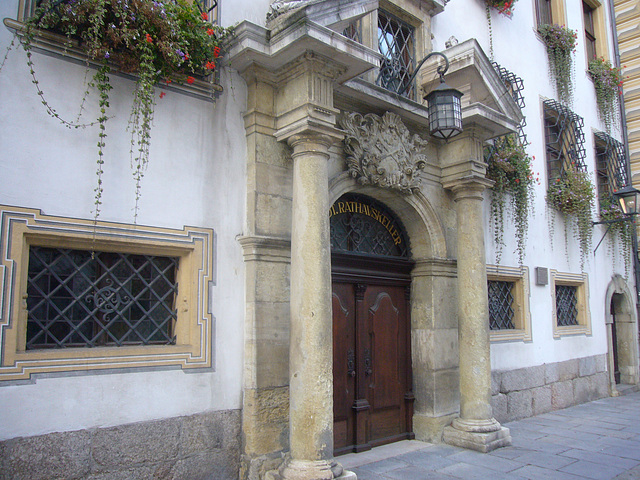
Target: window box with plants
(607,81)
(573,195)
(561,44)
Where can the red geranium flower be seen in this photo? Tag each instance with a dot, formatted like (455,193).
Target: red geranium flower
(216,52)
(162,94)
(210,31)
(210,65)
(190,79)
(204,16)
(149,39)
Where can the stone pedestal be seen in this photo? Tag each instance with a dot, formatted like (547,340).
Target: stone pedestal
(476,428)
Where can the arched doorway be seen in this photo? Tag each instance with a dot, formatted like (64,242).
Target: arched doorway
(622,337)
(371,279)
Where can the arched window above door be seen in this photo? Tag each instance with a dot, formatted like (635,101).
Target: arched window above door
(360,224)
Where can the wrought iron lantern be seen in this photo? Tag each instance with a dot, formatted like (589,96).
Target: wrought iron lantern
(627,198)
(444,106)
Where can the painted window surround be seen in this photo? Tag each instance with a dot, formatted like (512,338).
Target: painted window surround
(521,292)
(22,227)
(579,280)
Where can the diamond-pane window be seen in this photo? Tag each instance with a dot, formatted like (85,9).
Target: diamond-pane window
(501,314)
(396,44)
(76,298)
(567,305)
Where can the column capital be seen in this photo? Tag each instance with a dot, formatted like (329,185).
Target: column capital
(471,187)
(312,140)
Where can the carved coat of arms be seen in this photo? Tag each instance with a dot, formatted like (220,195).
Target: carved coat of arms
(382,152)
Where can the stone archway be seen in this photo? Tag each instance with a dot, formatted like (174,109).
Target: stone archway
(433,306)
(622,337)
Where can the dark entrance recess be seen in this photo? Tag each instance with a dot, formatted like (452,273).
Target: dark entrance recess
(614,341)
(373,399)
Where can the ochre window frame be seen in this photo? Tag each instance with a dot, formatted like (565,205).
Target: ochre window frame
(581,281)
(22,227)
(600,29)
(519,276)
(558,14)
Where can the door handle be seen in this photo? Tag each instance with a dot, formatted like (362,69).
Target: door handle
(351,362)
(368,370)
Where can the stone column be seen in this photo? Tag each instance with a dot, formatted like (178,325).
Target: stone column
(475,428)
(311,344)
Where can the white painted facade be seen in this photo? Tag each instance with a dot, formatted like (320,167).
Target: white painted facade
(518,48)
(196,177)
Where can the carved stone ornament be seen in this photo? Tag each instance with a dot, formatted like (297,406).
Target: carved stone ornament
(279,7)
(382,152)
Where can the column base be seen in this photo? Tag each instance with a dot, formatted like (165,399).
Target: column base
(310,470)
(480,435)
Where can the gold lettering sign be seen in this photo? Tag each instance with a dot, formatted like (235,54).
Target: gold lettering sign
(364,209)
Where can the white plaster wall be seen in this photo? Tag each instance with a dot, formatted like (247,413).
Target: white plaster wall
(518,49)
(236,11)
(196,177)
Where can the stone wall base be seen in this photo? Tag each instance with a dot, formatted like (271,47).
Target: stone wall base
(198,447)
(535,390)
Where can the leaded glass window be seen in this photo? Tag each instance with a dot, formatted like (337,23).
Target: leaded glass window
(396,44)
(567,305)
(501,313)
(359,224)
(76,298)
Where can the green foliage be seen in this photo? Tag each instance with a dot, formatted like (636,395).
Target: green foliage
(509,166)
(620,227)
(573,196)
(158,41)
(608,82)
(561,44)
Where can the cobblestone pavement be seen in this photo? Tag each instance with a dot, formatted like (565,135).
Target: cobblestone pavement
(597,440)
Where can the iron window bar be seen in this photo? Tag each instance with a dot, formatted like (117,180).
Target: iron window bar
(76,299)
(501,313)
(564,139)
(566,305)
(515,86)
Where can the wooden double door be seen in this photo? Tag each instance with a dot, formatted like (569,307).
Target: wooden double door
(373,400)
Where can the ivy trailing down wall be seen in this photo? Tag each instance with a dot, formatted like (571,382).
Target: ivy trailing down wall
(509,166)
(158,41)
(561,44)
(573,195)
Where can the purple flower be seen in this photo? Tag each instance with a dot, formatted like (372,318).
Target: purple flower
(106,55)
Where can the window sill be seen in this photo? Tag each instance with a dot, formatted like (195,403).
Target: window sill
(57,45)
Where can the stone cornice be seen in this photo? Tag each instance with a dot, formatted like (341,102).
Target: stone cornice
(266,249)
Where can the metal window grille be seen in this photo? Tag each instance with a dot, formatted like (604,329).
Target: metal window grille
(354,31)
(501,313)
(567,305)
(360,233)
(611,165)
(79,299)
(515,86)
(564,138)
(396,44)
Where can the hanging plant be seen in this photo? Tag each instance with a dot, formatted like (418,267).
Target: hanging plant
(608,82)
(509,166)
(158,41)
(621,228)
(561,44)
(573,197)
(504,7)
